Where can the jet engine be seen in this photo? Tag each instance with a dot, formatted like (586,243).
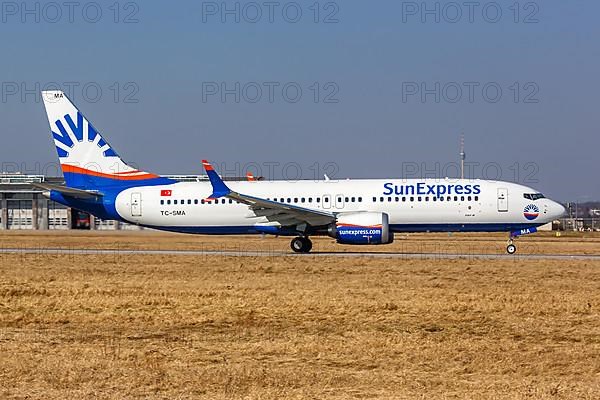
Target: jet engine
(361,228)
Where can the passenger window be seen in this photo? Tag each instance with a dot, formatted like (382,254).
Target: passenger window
(426,198)
(462,198)
(354,199)
(230,201)
(169,202)
(381,199)
(295,199)
(419,198)
(289,200)
(201,201)
(397,199)
(374,199)
(469,198)
(303,199)
(360,199)
(162,202)
(434,198)
(412,199)
(404,199)
(318,199)
(175,202)
(195,201)
(442,198)
(449,198)
(190,201)
(476,198)
(455,198)
(310,199)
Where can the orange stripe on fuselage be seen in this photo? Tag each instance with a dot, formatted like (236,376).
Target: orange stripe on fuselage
(78,170)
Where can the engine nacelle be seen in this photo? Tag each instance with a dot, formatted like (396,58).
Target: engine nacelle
(362,228)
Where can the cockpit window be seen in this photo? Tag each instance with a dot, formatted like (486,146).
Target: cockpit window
(533,196)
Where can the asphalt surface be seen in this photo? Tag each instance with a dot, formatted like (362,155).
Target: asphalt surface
(228,253)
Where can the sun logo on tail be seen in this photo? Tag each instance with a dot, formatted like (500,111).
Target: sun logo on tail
(69,133)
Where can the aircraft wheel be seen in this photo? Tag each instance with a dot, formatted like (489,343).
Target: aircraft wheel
(308,244)
(511,249)
(301,244)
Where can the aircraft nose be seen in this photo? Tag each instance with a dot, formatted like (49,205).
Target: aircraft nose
(559,210)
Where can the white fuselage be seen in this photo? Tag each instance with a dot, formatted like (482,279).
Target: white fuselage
(411,204)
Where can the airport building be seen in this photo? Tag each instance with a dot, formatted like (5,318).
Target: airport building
(22,206)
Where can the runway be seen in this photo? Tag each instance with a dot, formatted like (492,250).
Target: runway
(281,254)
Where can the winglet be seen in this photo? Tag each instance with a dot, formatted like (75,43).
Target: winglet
(220,189)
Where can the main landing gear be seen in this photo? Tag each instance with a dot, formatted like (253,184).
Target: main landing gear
(301,244)
(511,248)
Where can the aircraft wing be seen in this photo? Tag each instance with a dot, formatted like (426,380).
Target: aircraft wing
(71,192)
(284,214)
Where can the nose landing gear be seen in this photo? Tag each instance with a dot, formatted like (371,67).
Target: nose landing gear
(511,248)
(301,244)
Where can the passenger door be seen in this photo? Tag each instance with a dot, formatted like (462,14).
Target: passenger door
(136,204)
(502,200)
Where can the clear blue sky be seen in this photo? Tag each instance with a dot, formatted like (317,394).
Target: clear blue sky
(545,58)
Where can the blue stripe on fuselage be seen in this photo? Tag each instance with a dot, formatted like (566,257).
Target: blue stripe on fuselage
(248,230)
(227,230)
(477,227)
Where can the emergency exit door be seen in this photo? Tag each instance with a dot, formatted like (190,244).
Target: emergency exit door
(136,204)
(502,200)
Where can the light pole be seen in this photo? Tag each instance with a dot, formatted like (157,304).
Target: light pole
(462,156)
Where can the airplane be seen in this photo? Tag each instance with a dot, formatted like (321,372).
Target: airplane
(353,212)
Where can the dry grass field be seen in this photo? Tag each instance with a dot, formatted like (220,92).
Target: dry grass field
(215,327)
(540,243)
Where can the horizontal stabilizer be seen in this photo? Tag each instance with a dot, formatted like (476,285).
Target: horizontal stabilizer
(71,192)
